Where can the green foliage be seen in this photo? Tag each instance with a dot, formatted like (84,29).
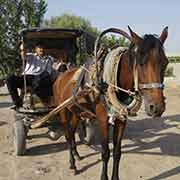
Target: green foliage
(113,41)
(71,21)
(169,71)
(174,59)
(77,22)
(15,15)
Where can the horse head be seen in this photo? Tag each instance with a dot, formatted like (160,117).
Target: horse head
(151,62)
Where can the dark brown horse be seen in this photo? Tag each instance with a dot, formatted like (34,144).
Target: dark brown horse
(146,61)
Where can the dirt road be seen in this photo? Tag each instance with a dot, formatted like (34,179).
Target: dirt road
(151,149)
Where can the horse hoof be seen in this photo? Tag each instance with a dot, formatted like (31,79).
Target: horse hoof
(72,167)
(79,158)
(76,172)
(115,178)
(104,177)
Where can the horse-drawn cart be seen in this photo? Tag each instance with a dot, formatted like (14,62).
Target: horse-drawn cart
(58,43)
(128,74)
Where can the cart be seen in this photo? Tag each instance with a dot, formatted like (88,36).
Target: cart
(75,44)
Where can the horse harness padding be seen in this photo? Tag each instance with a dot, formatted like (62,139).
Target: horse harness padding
(118,108)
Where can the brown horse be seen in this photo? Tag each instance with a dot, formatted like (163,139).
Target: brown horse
(147,57)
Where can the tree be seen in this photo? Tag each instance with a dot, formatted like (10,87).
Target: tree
(15,15)
(72,21)
(113,41)
(76,22)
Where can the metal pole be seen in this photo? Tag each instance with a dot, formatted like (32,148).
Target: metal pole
(23,56)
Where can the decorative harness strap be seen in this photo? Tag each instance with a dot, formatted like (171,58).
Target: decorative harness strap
(151,85)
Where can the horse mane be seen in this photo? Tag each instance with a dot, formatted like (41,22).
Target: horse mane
(149,42)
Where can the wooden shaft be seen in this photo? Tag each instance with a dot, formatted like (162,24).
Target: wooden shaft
(66,103)
(52,113)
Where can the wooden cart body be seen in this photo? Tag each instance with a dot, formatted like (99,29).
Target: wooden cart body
(56,42)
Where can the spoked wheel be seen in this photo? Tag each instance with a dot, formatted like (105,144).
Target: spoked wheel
(19,137)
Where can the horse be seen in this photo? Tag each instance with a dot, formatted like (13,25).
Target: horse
(141,70)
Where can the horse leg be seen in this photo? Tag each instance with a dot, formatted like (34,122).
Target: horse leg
(74,124)
(69,139)
(74,147)
(119,128)
(66,120)
(103,124)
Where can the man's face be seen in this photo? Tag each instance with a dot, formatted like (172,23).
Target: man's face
(39,50)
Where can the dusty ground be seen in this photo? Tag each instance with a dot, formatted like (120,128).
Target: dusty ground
(151,148)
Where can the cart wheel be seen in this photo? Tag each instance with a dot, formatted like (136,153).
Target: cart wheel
(19,138)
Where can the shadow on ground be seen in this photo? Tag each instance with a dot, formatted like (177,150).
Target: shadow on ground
(146,135)
(157,129)
(2,123)
(140,130)
(167,174)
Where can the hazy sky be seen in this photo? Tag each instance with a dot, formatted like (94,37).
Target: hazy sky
(144,16)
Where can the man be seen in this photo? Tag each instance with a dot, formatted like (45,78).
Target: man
(39,75)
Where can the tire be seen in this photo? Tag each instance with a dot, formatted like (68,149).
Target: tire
(19,138)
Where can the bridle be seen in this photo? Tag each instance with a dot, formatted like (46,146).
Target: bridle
(144,86)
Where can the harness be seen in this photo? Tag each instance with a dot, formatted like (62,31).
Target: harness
(116,107)
(104,80)
(111,66)
(142,86)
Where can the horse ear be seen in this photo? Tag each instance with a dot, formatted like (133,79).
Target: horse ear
(164,35)
(134,37)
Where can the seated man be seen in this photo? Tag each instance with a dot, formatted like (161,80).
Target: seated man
(39,75)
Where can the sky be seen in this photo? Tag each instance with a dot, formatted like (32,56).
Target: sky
(143,16)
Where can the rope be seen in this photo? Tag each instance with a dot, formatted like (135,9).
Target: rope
(112,85)
(130,93)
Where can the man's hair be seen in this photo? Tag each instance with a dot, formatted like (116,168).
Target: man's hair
(39,44)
